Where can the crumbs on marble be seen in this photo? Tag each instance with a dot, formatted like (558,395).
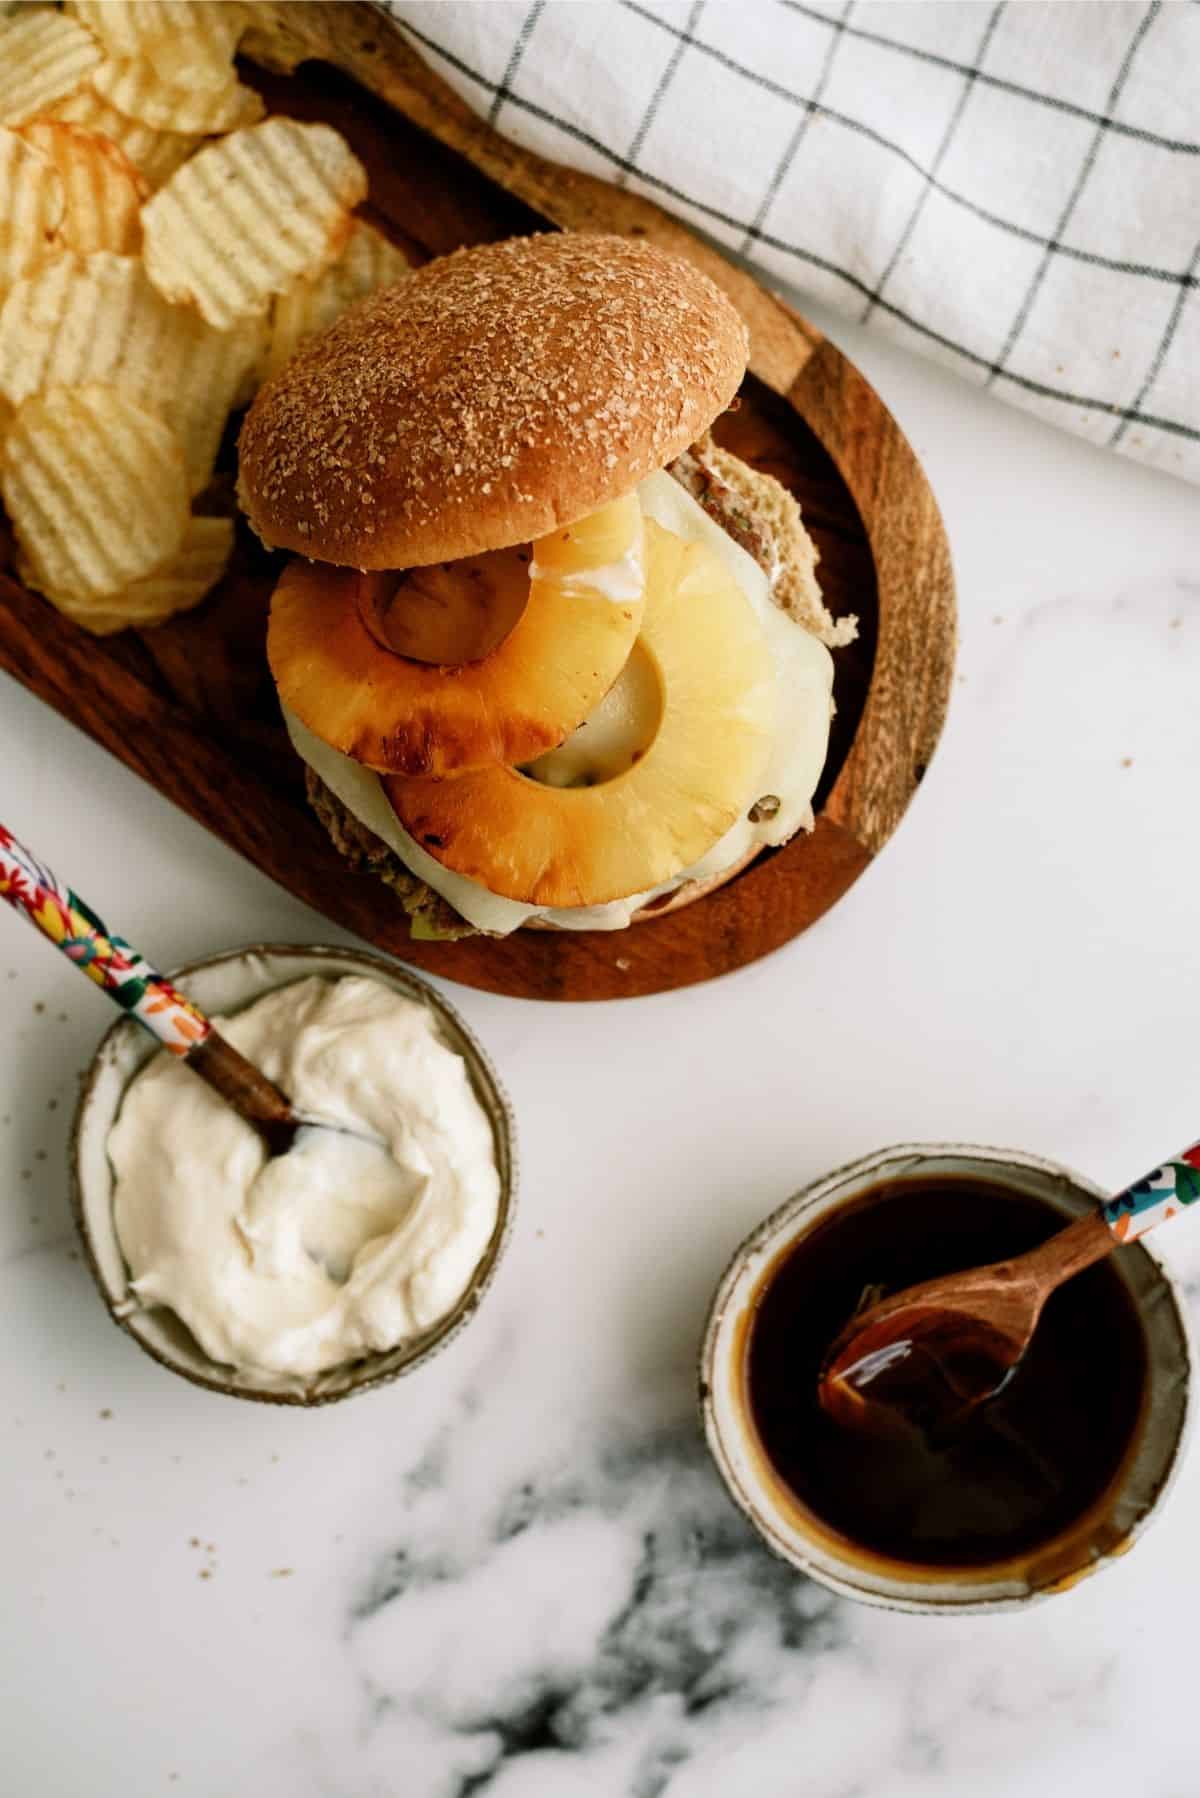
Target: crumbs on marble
(1127,761)
(209,1550)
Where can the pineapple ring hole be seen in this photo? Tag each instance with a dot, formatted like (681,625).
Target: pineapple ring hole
(449,613)
(614,736)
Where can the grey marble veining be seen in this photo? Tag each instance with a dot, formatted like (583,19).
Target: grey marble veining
(686,1629)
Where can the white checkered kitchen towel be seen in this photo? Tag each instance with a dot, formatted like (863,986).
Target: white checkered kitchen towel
(1013,188)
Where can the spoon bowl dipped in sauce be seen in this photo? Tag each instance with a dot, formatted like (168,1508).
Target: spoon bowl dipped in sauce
(923,1359)
(924,1473)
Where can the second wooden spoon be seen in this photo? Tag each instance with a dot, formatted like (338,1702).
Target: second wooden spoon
(927,1356)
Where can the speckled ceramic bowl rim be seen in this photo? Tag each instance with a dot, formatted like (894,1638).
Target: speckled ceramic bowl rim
(781,1227)
(492,1095)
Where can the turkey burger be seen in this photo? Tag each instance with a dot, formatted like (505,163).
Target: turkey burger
(549,655)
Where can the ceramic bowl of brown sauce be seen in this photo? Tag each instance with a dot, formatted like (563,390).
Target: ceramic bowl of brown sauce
(1055,1477)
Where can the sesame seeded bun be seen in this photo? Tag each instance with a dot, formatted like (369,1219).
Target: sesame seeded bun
(494,395)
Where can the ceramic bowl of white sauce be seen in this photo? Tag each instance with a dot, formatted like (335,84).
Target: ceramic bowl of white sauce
(407,1273)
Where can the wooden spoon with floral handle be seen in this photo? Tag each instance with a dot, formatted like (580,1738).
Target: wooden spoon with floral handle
(926,1357)
(128,978)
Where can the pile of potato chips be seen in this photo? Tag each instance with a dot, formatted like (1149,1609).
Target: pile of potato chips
(163,249)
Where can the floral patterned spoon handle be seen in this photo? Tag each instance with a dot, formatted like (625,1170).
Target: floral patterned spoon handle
(128,978)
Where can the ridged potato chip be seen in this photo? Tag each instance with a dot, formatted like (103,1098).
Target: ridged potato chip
(95,489)
(216,374)
(104,192)
(135,87)
(32,205)
(249,215)
(368,262)
(155,154)
(190,41)
(90,318)
(43,56)
(98,318)
(201,54)
(181,583)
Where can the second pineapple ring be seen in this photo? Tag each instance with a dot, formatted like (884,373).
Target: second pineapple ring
(587,845)
(493,659)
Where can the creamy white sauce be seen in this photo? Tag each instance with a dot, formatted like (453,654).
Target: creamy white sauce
(803,709)
(620,581)
(343,1246)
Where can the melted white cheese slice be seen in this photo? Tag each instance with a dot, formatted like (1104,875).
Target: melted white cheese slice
(360,792)
(804,687)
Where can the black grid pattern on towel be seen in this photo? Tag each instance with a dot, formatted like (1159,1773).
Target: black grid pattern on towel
(809,101)
(970,76)
(1089,162)
(684,38)
(754,228)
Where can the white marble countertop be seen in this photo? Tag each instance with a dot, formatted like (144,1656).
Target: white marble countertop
(516,1574)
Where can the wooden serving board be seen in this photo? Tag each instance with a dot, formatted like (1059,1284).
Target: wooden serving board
(190,706)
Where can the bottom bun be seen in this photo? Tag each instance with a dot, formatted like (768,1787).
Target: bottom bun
(432,916)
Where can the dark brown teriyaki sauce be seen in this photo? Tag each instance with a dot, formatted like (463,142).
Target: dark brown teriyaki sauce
(1018,1470)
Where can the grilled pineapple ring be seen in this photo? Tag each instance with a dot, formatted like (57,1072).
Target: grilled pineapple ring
(576,846)
(336,641)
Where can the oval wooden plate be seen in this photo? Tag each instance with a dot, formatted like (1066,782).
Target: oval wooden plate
(190,706)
